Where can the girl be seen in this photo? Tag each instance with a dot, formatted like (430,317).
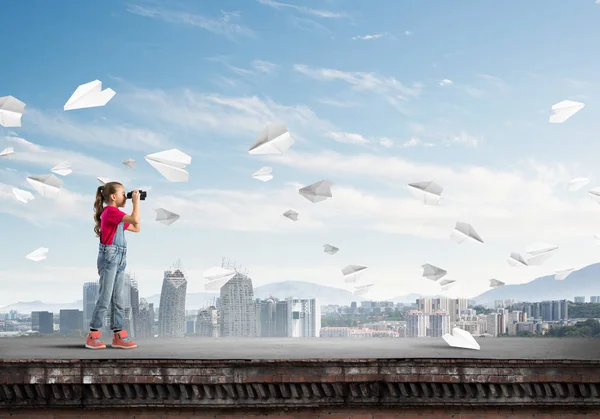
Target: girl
(111,224)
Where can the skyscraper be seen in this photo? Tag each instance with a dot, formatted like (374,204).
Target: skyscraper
(304,317)
(171,313)
(90,296)
(238,308)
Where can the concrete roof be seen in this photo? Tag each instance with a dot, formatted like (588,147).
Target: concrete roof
(297,348)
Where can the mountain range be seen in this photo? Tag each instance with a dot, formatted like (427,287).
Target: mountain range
(585,282)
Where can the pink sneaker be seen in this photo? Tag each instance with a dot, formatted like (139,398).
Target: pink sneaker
(93,341)
(120,340)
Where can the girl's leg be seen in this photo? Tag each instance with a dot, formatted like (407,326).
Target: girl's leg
(118,299)
(107,270)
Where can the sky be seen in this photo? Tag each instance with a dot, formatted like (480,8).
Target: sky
(376,94)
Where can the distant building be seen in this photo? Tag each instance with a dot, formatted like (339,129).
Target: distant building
(70,322)
(304,317)
(238,308)
(171,315)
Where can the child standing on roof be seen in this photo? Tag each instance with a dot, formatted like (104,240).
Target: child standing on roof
(111,224)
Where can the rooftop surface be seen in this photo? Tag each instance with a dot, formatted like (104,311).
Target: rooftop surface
(298,348)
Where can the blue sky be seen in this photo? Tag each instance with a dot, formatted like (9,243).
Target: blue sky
(359,85)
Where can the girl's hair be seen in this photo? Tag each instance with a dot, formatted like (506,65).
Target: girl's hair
(102,194)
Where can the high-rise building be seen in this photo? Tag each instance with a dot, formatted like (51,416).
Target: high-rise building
(595,299)
(90,296)
(265,316)
(145,324)
(171,314)
(46,322)
(134,303)
(238,308)
(439,323)
(304,317)
(579,299)
(281,318)
(207,323)
(71,322)
(416,324)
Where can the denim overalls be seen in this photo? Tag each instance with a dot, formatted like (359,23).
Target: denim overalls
(112,261)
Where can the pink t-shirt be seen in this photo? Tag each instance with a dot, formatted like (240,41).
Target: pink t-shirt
(109,220)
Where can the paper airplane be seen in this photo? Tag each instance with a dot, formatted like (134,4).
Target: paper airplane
(89,95)
(463,231)
(38,254)
(516,259)
(217,273)
(129,163)
(46,185)
(564,110)
(578,183)
(461,339)
(428,192)
(7,152)
(352,269)
(22,195)
(494,283)
(103,180)
(166,217)
(597,239)
(317,192)
(332,250)
(274,139)
(62,169)
(537,253)
(171,164)
(447,282)
(433,272)
(11,111)
(263,174)
(561,274)
(595,194)
(291,214)
(362,289)
(216,285)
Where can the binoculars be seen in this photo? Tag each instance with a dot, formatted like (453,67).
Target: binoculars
(142,195)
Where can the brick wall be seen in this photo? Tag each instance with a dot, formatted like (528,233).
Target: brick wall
(194,413)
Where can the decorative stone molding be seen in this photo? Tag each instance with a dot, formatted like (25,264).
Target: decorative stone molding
(298,383)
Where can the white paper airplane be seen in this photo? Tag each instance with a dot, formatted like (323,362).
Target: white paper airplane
(447,282)
(564,110)
(129,163)
(62,169)
(317,192)
(516,259)
(263,174)
(89,95)
(11,111)
(7,152)
(103,180)
(428,192)
(274,139)
(171,164)
(461,339)
(352,269)
(217,273)
(46,185)
(291,214)
(494,283)
(595,194)
(166,217)
(463,231)
(561,274)
(433,272)
(38,254)
(332,250)
(578,183)
(537,253)
(216,285)
(22,195)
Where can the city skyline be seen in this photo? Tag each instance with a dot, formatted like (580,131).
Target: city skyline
(376,96)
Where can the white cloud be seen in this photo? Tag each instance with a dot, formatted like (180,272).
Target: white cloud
(368,37)
(302,9)
(445,82)
(57,125)
(348,137)
(264,66)
(363,81)
(222,26)
(463,138)
(337,103)
(408,33)
(386,142)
